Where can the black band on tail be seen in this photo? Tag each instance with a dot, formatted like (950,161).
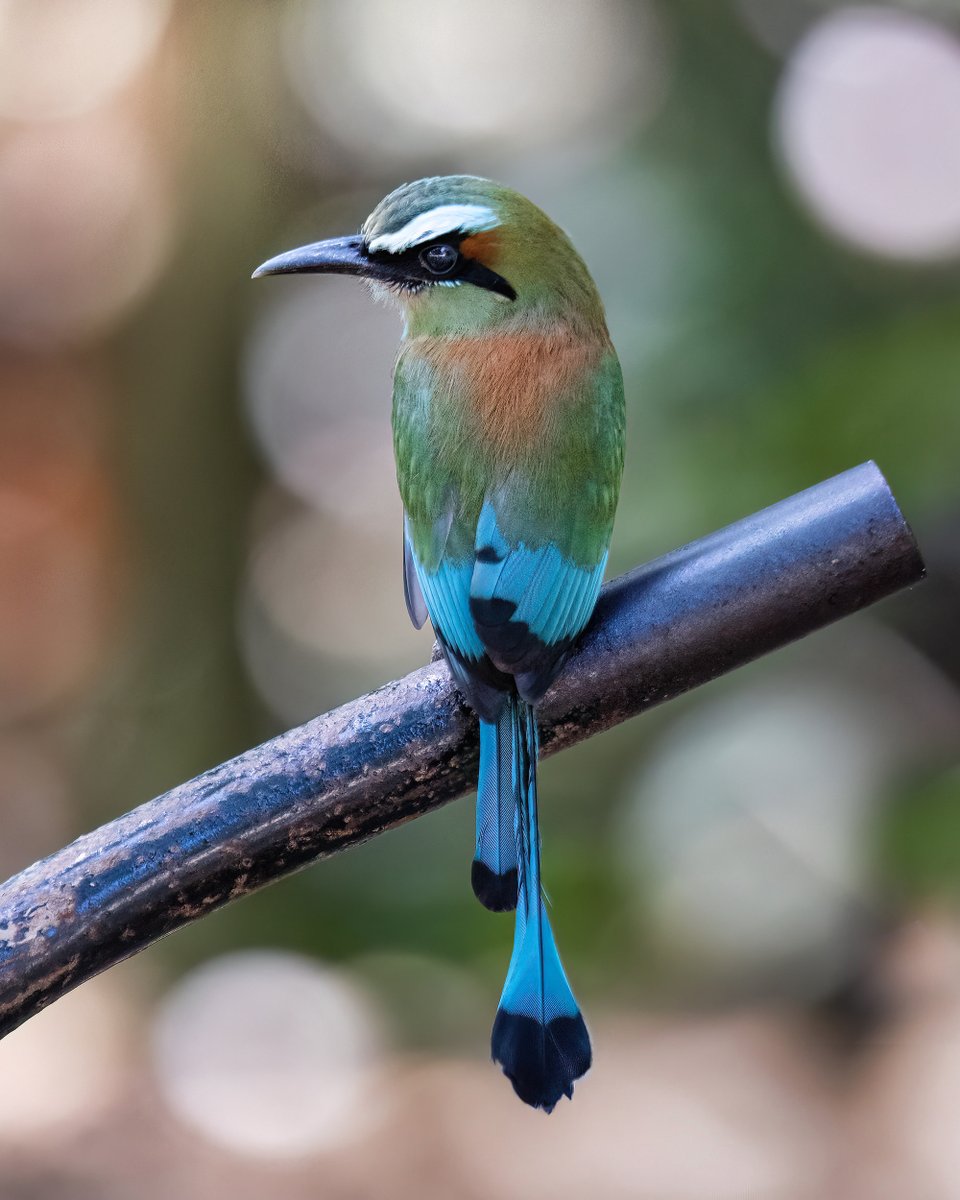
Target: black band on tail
(541,1061)
(496,892)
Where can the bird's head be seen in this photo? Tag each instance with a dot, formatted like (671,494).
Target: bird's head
(461,255)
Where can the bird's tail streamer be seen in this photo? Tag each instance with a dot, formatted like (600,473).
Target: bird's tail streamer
(539,1037)
(494,871)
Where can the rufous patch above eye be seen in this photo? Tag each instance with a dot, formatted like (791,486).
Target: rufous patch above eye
(482,247)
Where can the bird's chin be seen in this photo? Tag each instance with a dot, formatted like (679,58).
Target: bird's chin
(392,294)
(383,294)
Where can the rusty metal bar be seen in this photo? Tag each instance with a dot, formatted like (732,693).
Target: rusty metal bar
(412,745)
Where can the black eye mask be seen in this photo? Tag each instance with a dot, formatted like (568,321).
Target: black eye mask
(440,261)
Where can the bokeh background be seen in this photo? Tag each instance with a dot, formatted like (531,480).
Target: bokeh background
(756,887)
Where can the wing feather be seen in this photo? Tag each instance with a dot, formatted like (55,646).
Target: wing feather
(528,603)
(412,592)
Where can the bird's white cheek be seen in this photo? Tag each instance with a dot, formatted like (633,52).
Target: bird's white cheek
(383,294)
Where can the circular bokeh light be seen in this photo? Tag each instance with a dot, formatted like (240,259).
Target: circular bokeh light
(323,616)
(748,829)
(67,1064)
(85,223)
(318,381)
(868,124)
(397,80)
(269,1055)
(62,58)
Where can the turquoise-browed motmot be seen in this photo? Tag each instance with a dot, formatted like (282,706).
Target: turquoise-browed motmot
(508,425)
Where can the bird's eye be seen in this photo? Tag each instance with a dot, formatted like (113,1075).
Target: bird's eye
(440,259)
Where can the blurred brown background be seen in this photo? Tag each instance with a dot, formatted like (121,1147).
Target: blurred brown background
(755,888)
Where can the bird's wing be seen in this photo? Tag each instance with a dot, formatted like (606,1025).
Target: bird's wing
(528,603)
(445,590)
(412,593)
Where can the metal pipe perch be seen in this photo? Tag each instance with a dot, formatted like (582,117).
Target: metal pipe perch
(412,745)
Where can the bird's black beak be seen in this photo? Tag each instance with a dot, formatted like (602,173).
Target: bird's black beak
(336,256)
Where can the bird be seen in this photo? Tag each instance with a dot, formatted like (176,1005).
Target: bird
(508,428)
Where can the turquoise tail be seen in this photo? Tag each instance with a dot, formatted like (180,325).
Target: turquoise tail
(494,871)
(539,1037)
